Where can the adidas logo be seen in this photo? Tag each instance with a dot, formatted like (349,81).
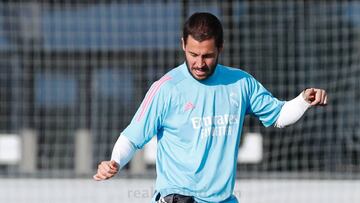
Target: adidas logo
(189,106)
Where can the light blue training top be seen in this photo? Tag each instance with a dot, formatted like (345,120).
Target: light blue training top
(198,126)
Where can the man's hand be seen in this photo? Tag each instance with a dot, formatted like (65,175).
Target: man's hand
(106,170)
(315,96)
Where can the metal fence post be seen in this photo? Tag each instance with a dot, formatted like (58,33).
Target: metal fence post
(28,163)
(83,152)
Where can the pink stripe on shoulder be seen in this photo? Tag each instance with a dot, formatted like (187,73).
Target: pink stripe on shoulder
(154,89)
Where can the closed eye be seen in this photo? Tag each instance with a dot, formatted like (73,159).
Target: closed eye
(193,54)
(210,55)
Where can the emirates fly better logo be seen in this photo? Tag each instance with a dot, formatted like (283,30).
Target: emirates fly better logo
(219,125)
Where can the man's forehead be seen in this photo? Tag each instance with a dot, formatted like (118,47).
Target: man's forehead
(191,39)
(202,53)
(204,47)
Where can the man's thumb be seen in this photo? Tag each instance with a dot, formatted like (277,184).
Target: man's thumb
(114,164)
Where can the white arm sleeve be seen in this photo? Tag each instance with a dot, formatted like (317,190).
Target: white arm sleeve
(292,111)
(123,151)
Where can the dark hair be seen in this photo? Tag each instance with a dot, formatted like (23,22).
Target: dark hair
(203,26)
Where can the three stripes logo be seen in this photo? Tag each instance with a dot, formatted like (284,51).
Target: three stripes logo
(151,94)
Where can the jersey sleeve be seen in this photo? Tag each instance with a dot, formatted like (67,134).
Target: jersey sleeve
(262,103)
(148,118)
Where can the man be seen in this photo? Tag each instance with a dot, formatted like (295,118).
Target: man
(197,111)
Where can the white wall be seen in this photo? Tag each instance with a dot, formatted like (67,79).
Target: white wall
(140,190)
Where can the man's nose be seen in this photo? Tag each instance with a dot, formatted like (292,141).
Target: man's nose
(200,62)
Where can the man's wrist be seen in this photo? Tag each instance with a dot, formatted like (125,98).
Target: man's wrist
(304,97)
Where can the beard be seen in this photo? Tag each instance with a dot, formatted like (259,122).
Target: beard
(209,70)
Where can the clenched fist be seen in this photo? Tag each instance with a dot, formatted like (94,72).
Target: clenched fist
(106,170)
(315,96)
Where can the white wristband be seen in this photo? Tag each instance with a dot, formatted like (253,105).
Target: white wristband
(292,111)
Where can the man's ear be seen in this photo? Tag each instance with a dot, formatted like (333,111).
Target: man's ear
(221,48)
(183,43)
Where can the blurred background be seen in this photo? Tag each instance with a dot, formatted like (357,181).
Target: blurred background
(73,73)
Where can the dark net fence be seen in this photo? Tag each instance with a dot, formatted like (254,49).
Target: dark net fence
(68,67)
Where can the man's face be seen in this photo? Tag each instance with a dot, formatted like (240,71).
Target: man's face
(201,57)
